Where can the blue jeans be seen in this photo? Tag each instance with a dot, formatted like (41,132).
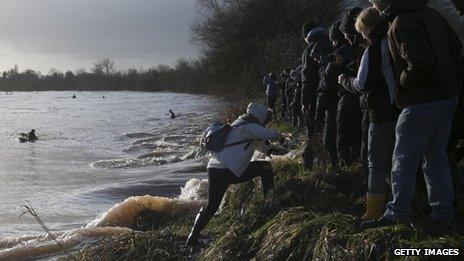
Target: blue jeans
(423,131)
(381,142)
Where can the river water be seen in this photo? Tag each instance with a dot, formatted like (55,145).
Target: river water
(93,151)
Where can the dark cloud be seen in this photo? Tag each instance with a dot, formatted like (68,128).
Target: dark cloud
(72,33)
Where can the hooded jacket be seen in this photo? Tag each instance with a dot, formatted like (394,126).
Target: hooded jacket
(310,75)
(426,52)
(237,158)
(347,24)
(272,86)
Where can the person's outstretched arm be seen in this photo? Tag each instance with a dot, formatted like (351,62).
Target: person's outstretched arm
(357,84)
(261,133)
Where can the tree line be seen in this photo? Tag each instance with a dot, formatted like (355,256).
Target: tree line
(105,76)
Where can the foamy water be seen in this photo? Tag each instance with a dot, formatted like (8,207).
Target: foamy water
(93,158)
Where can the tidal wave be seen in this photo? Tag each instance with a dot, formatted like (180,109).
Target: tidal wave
(122,218)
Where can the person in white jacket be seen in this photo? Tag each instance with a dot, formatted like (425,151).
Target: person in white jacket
(233,164)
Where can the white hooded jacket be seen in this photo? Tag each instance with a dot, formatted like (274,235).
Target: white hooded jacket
(237,158)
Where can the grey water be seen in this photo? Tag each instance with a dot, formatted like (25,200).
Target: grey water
(93,152)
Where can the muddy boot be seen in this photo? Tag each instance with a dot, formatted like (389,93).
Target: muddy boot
(200,222)
(375,206)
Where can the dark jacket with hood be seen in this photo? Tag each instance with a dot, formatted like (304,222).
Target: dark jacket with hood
(425,50)
(350,102)
(328,86)
(295,85)
(311,72)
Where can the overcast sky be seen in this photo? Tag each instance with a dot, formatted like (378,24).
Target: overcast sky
(72,34)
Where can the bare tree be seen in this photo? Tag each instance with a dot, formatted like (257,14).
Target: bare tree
(104,66)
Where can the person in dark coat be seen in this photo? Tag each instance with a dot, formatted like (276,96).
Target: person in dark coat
(283,95)
(310,75)
(328,93)
(272,86)
(376,80)
(295,105)
(349,115)
(289,89)
(426,57)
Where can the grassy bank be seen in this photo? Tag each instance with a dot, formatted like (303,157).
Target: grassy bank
(310,214)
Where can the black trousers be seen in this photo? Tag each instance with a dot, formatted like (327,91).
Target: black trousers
(220,179)
(271,101)
(330,131)
(349,137)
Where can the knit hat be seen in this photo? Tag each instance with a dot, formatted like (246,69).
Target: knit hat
(307,27)
(335,34)
(348,21)
(316,34)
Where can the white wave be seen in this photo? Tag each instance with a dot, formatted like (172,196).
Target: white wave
(118,220)
(124,214)
(194,189)
(138,135)
(125,163)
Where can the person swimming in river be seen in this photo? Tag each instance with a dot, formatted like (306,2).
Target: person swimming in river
(232,164)
(172,116)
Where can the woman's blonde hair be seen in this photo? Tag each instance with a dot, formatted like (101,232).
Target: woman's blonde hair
(368,19)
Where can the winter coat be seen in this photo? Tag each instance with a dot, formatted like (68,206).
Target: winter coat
(289,90)
(329,72)
(237,158)
(311,71)
(349,102)
(272,86)
(296,103)
(425,50)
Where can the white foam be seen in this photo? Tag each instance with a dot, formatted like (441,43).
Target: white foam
(125,213)
(194,189)
(116,221)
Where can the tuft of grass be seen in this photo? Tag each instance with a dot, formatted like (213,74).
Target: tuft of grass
(30,210)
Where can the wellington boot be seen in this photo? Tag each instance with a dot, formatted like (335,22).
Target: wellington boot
(200,222)
(375,206)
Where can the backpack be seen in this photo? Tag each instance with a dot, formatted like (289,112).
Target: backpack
(214,137)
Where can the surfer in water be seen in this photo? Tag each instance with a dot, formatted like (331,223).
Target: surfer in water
(172,116)
(31,136)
